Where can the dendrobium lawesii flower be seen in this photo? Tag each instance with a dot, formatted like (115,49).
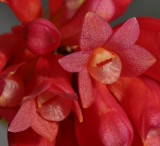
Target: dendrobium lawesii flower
(50,100)
(69,14)
(106,55)
(25,10)
(140,98)
(40,36)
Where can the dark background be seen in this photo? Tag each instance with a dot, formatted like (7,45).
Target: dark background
(137,8)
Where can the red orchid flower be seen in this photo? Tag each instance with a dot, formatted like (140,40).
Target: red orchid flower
(105,56)
(140,98)
(69,14)
(50,100)
(108,125)
(25,10)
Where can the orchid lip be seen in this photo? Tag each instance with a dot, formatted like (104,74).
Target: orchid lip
(104,66)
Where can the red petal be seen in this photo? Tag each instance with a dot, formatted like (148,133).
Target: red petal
(9,44)
(8,113)
(149,38)
(145,101)
(55,109)
(126,35)
(26,10)
(75,62)
(78,110)
(13,92)
(114,131)
(119,6)
(63,11)
(2,86)
(39,88)
(135,60)
(39,82)
(28,137)
(12,88)
(66,134)
(87,131)
(10,70)
(24,117)
(57,91)
(85,88)
(44,128)
(49,75)
(59,77)
(95,32)
(28,117)
(42,37)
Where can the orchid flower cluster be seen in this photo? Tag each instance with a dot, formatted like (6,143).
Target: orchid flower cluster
(70,79)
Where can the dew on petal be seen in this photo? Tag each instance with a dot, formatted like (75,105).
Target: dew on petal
(104,66)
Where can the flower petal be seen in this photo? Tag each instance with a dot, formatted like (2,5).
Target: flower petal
(60,79)
(23,118)
(28,137)
(78,111)
(126,35)
(44,128)
(55,109)
(13,92)
(66,134)
(63,11)
(135,59)
(149,38)
(9,44)
(114,131)
(85,88)
(145,101)
(75,62)
(95,32)
(26,10)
